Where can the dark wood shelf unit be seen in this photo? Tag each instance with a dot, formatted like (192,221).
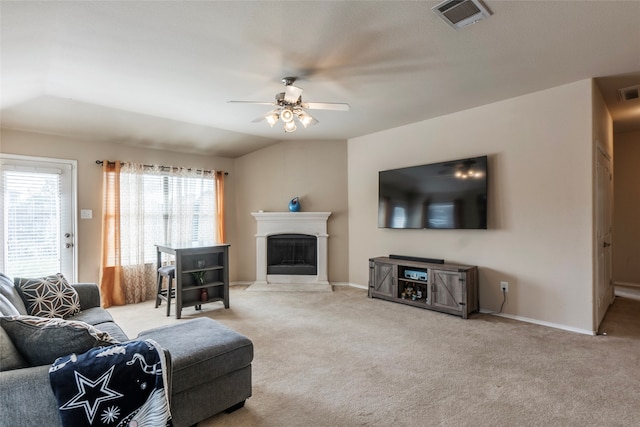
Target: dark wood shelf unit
(205,285)
(210,260)
(196,270)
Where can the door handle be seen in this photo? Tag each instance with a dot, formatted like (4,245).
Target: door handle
(606,244)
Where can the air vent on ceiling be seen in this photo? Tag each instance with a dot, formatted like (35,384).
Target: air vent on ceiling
(629,93)
(460,13)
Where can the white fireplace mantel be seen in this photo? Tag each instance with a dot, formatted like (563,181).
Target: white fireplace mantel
(273,223)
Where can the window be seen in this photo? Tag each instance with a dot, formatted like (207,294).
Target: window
(159,208)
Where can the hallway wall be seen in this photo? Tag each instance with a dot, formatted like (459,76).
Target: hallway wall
(626,210)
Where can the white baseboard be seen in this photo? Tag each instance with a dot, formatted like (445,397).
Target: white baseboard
(540,322)
(508,316)
(240,283)
(353,285)
(627,284)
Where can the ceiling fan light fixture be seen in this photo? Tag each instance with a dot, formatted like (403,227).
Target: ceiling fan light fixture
(290,126)
(272,118)
(286,115)
(306,119)
(290,109)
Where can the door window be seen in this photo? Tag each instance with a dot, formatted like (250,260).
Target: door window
(38,217)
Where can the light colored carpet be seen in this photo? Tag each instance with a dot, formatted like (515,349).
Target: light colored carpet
(289,287)
(342,359)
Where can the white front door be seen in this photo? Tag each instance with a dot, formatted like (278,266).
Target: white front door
(603,288)
(38,220)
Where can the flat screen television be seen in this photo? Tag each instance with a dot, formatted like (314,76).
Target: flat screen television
(446,195)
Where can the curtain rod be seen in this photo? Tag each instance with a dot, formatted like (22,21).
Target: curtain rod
(99,162)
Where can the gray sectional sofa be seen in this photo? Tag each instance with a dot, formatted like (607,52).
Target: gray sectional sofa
(210,364)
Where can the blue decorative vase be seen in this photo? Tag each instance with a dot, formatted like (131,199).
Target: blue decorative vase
(294,205)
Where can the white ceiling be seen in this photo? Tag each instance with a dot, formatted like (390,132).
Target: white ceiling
(159,74)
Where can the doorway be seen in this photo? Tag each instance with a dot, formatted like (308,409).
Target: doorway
(38,220)
(604,212)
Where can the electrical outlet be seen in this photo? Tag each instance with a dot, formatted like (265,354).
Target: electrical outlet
(504,286)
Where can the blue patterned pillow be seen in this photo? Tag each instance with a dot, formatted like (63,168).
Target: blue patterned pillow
(49,296)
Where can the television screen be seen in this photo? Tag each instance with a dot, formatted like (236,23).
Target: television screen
(449,195)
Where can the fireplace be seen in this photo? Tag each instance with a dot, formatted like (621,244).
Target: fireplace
(291,247)
(292,254)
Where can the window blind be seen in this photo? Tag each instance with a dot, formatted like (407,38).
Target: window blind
(31,209)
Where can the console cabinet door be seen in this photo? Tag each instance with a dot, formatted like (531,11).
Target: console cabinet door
(447,290)
(382,279)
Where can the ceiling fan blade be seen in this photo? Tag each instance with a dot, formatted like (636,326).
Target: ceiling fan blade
(251,102)
(292,93)
(325,106)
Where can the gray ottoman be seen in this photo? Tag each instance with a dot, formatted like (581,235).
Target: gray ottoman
(211,368)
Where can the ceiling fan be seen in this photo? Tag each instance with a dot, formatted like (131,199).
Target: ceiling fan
(290,108)
(461,169)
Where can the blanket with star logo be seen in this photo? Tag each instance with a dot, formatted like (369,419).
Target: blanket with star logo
(119,385)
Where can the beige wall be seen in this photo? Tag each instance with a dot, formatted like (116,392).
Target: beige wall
(540,197)
(90,182)
(540,201)
(267,179)
(626,220)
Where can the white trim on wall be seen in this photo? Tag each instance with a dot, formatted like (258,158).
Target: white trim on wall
(540,322)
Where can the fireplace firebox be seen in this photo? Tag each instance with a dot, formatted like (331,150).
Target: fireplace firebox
(292,254)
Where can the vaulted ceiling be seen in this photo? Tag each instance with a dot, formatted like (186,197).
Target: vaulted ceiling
(159,74)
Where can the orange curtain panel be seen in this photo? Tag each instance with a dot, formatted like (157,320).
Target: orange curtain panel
(220,205)
(111,283)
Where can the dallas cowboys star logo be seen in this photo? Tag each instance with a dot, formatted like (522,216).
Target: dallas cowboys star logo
(90,398)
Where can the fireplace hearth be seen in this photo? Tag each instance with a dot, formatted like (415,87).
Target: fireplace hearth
(291,247)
